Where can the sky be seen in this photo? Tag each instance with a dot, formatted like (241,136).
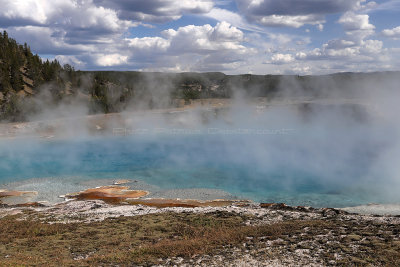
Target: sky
(244,36)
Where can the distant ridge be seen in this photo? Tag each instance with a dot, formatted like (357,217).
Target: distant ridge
(28,84)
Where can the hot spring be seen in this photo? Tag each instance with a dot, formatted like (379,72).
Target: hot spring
(330,159)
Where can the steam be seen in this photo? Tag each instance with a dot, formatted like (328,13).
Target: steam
(340,138)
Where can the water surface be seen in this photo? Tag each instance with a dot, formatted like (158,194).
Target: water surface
(263,168)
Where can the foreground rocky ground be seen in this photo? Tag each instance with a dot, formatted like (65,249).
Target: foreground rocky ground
(93,233)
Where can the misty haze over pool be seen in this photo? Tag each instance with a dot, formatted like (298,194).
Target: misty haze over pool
(275,167)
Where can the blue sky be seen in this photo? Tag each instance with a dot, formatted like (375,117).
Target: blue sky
(243,36)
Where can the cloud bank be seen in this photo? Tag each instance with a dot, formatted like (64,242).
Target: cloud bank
(246,36)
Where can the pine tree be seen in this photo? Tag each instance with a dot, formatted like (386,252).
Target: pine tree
(21,69)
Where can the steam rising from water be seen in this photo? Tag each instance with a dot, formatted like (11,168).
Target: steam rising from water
(342,149)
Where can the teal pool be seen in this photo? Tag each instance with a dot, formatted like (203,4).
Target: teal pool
(263,168)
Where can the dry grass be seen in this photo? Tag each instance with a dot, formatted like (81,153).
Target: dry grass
(195,240)
(145,239)
(111,241)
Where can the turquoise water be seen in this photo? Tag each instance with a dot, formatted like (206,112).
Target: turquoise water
(265,168)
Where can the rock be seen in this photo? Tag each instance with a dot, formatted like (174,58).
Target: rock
(304,209)
(121,181)
(329,212)
(95,206)
(283,206)
(276,206)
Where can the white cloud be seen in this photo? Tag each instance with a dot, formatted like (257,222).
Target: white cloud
(71,60)
(371,47)
(156,10)
(70,21)
(200,39)
(99,34)
(149,44)
(272,20)
(392,33)
(66,13)
(353,22)
(301,69)
(191,48)
(357,26)
(45,40)
(296,7)
(289,21)
(91,36)
(107,60)
(339,44)
(224,32)
(367,7)
(233,18)
(345,50)
(22,12)
(282,58)
(353,49)
(301,55)
(293,13)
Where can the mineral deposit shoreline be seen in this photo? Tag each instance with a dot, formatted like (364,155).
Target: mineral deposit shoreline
(240,234)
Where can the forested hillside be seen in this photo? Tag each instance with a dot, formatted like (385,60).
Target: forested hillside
(22,74)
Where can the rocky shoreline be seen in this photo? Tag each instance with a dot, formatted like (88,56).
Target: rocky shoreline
(315,237)
(219,232)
